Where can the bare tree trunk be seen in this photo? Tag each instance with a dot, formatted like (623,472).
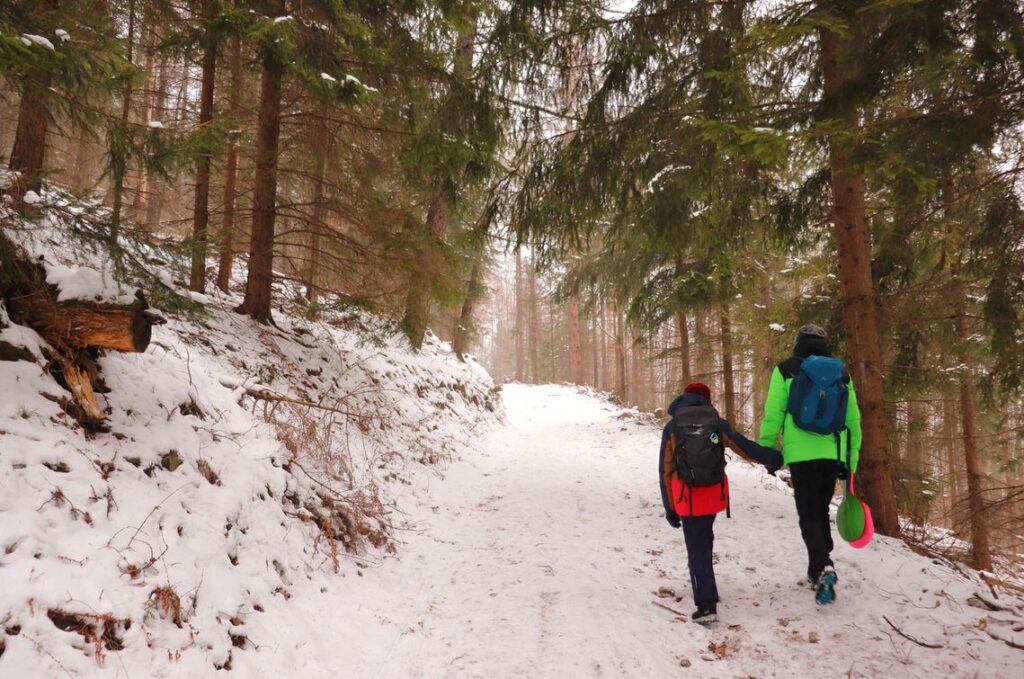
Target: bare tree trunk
(534,322)
(684,336)
(80,178)
(949,434)
(119,160)
(425,272)
(155,187)
(575,352)
(762,360)
(227,231)
(261,249)
(552,370)
(520,313)
(322,143)
(464,324)
(474,293)
(980,550)
(914,462)
(854,244)
(727,374)
(29,149)
(684,349)
(702,372)
(607,367)
(142,188)
(201,211)
(635,371)
(620,356)
(429,265)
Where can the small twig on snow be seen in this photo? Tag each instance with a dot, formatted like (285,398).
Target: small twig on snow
(155,507)
(990,605)
(908,637)
(670,610)
(1008,642)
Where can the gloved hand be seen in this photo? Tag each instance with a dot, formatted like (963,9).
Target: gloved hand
(673,519)
(843,472)
(775,464)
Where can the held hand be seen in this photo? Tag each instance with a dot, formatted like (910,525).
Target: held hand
(775,463)
(673,519)
(843,472)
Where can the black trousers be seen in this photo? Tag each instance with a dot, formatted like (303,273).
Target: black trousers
(699,533)
(814,483)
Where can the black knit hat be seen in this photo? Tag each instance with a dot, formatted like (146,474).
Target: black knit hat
(812,330)
(811,339)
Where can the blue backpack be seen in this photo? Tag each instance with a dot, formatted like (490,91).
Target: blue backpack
(818,395)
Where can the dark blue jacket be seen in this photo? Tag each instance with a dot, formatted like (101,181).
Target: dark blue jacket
(770,458)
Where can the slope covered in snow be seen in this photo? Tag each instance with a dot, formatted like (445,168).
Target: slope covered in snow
(248,480)
(543,553)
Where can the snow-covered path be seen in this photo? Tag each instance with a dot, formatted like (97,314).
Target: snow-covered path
(540,552)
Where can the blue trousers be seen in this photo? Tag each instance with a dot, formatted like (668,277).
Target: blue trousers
(699,533)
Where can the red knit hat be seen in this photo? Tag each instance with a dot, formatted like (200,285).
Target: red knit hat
(698,388)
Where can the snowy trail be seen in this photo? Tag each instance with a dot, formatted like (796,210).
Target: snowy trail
(539,555)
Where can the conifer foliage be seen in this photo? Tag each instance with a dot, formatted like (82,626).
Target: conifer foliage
(627,195)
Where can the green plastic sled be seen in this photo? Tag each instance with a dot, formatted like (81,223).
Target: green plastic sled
(853,520)
(850,518)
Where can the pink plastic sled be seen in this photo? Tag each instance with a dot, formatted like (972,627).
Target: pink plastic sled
(869,525)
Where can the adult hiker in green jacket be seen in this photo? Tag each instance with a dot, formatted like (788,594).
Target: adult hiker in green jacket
(815,460)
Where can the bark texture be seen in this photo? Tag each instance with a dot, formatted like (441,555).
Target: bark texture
(201,210)
(727,369)
(261,249)
(227,232)
(29,149)
(981,552)
(858,293)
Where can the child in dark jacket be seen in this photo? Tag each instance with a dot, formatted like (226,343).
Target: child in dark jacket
(695,507)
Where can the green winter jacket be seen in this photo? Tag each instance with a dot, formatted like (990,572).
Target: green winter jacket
(799,445)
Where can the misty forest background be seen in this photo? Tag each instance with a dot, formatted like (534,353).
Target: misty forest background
(629,196)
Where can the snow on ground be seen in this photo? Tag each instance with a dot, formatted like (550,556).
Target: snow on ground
(211,527)
(190,537)
(541,552)
(189,532)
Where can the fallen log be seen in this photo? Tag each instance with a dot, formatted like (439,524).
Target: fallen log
(82,324)
(75,324)
(72,328)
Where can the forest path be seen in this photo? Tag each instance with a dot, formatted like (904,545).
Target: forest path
(539,554)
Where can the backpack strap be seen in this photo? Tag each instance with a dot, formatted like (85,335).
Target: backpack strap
(839,456)
(790,367)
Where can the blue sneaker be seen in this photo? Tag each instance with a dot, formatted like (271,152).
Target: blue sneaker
(825,589)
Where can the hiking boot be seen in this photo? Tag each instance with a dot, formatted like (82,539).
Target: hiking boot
(705,613)
(825,588)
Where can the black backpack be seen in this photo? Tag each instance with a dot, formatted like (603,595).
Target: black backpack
(700,448)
